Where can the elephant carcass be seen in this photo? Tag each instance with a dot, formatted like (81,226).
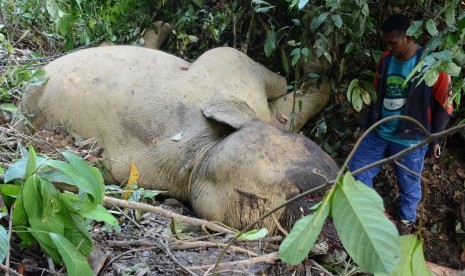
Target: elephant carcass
(227,161)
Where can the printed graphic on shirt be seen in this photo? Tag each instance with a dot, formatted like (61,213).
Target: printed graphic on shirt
(395,98)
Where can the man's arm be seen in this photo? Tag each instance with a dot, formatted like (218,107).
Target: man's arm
(442,107)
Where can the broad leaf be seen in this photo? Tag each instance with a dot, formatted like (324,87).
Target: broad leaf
(76,263)
(18,169)
(317,21)
(21,223)
(79,179)
(449,16)
(8,107)
(50,199)
(337,20)
(431,27)
(253,235)
(366,233)
(10,189)
(270,43)
(3,244)
(99,213)
(451,68)
(412,261)
(415,29)
(90,173)
(300,241)
(357,101)
(33,208)
(418,260)
(431,77)
(302,4)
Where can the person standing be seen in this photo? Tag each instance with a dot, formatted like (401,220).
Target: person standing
(431,106)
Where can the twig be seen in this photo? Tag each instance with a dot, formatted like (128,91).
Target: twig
(268,258)
(128,217)
(279,226)
(315,264)
(202,244)
(7,269)
(167,250)
(122,254)
(140,242)
(165,213)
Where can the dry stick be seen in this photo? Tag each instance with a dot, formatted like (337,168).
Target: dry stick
(140,242)
(128,217)
(165,213)
(279,226)
(7,269)
(201,244)
(430,138)
(268,258)
(326,272)
(167,250)
(122,254)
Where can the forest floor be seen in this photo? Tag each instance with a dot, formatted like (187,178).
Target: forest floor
(145,244)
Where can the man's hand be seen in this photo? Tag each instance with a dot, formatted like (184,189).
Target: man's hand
(436,151)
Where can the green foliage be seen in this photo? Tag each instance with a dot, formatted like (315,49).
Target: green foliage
(53,219)
(253,235)
(412,260)
(71,23)
(3,241)
(298,244)
(369,237)
(360,92)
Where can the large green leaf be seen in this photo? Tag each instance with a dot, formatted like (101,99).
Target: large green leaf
(451,68)
(415,29)
(300,241)
(90,173)
(76,263)
(99,213)
(10,189)
(17,170)
(21,223)
(431,27)
(418,260)
(369,237)
(412,261)
(270,43)
(77,178)
(317,21)
(33,208)
(50,199)
(31,164)
(3,244)
(449,16)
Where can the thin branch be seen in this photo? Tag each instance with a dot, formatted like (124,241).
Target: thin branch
(165,213)
(7,269)
(268,258)
(167,251)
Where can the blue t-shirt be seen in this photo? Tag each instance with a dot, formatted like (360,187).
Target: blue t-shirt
(395,98)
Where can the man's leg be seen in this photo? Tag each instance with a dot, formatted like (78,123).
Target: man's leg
(373,148)
(409,184)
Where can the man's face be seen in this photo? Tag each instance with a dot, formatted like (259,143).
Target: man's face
(397,44)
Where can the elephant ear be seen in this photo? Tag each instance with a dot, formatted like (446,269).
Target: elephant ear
(233,112)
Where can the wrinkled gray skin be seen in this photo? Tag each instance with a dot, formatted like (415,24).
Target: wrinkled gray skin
(230,165)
